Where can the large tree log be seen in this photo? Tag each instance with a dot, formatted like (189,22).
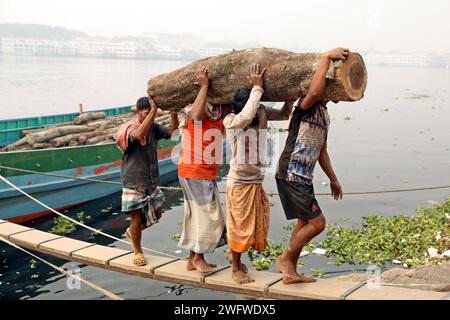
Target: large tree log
(98,139)
(73,143)
(41,145)
(62,124)
(52,133)
(89,116)
(15,145)
(287,77)
(64,140)
(84,137)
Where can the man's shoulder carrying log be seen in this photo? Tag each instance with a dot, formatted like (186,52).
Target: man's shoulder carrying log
(287,77)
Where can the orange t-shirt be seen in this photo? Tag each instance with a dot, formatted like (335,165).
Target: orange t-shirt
(201,149)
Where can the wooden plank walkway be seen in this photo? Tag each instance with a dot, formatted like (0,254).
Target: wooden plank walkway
(266,285)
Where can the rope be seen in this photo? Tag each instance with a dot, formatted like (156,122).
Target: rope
(73,177)
(66,273)
(224,192)
(77,222)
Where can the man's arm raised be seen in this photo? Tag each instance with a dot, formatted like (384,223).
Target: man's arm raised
(244,118)
(319,82)
(173,123)
(199,105)
(144,127)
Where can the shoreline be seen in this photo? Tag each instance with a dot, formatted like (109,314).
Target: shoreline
(430,277)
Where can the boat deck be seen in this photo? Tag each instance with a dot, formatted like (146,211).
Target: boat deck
(267,284)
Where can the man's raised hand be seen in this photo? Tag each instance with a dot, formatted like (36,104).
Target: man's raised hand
(153,105)
(202,77)
(256,75)
(337,53)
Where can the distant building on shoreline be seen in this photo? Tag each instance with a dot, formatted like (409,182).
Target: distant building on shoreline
(172,47)
(101,48)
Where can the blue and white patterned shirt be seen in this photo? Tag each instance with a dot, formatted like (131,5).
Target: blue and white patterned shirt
(308,131)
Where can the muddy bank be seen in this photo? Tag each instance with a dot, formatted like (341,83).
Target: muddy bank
(427,277)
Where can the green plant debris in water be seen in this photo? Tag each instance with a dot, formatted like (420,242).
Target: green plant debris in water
(176,236)
(264,259)
(318,273)
(289,227)
(106,210)
(33,264)
(63,226)
(381,239)
(82,218)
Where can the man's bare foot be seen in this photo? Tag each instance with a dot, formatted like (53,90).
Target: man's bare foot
(240,277)
(285,265)
(297,278)
(190,265)
(229,258)
(202,266)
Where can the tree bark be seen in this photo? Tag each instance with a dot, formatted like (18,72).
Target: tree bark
(84,137)
(287,78)
(41,146)
(64,140)
(15,145)
(52,133)
(89,116)
(98,139)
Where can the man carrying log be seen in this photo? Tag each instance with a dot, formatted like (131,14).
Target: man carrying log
(142,199)
(201,154)
(305,145)
(247,203)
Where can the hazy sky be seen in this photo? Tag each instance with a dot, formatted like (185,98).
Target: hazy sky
(396,24)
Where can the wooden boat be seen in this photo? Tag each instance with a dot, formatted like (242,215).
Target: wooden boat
(100,162)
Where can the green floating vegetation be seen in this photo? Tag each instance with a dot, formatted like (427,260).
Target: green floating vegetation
(33,264)
(289,227)
(264,259)
(63,226)
(318,273)
(176,236)
(106,210)
(382,240)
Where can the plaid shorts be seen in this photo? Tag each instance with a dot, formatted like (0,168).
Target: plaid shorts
(150,203)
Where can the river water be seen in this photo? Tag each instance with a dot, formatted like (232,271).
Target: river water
(397,137)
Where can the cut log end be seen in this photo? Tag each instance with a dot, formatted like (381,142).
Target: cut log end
(354,77)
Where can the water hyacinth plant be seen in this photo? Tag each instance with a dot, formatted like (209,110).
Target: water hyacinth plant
(176,236)
(62,226)
(382,240)
(264,259)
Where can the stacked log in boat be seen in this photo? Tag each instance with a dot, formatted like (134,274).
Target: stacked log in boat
(87,129)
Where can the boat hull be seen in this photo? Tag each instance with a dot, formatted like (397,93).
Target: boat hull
(20,209)
(63,193)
